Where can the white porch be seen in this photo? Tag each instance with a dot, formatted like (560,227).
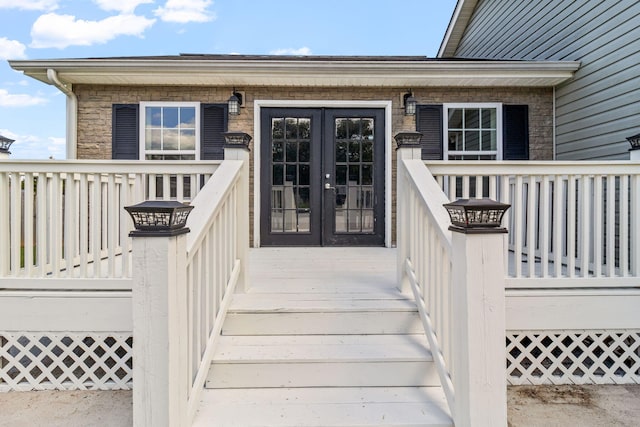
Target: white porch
(346,328)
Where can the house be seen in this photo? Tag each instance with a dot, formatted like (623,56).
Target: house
(135,108)
(597,109)
(303,152)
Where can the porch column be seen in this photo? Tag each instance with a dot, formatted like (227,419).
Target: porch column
(160,334)
(237,148)
(408,148)
(478,307)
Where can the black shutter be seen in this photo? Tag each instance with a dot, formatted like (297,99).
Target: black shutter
(125,134)
(429,123)
(214,122)
(515,137)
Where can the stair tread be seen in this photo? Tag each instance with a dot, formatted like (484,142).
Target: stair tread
(321,348)
(331,407)
(305,303)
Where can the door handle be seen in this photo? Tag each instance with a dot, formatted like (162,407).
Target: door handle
(327,186)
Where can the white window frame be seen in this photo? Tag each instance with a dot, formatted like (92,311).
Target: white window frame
(445,127)
(143,117)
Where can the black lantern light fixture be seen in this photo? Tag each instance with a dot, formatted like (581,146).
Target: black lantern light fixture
(5,143)
(235,101)
(476,216)
(410,104)
(155,218)
(409,138)
(634,141)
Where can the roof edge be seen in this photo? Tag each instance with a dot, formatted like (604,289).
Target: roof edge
(457,25)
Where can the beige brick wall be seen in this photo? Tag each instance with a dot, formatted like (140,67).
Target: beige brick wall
(94,110)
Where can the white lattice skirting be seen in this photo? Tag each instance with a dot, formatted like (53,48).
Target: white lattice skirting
(65,361)
(573,357)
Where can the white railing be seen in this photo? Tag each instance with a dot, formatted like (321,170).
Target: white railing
(424,262)
(215,262)
(574,220)
(183,282)
(65,219)
(457,280)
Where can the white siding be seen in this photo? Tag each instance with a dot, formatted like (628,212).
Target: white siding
(600,106)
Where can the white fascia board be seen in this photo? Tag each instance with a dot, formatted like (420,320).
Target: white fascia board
(303,73)
(458,24)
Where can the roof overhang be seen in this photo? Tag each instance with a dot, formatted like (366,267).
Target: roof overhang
(302,71)
(458,24)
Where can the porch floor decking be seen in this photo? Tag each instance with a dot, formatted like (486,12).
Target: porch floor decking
(331,270)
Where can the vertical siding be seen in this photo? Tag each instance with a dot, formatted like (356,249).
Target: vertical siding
(600,106)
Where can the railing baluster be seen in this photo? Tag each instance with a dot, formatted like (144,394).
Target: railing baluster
(559,230)
(70,224)
(16,222)
(5,224)
(518,213)
(624,231)
(598,240)
(29,246)
(571,226)
(83,244)
(56,224)
(634,214)
(610,215)
(585,231)
(532,217)
(543,230)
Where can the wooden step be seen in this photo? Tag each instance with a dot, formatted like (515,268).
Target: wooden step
(387,312)
(328,407)
(322,361)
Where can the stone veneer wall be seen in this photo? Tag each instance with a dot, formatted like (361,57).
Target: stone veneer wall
(95,101)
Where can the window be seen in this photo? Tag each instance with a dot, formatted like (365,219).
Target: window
(472,131)
(169,131)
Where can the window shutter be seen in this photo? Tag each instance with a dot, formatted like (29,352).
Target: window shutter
(515,137)
(429,123)
(125,134)
(214,122)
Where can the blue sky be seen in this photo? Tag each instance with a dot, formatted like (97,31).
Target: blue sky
(33,113)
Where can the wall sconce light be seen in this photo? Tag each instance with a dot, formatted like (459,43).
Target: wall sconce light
(409,104)
(235,101)
(5,143)
(476,216)
(634,141)
(159,218)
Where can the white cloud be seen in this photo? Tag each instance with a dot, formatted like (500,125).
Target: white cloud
(29,4)
(53,30)
(19,100)
(122,6)
(35,147)
(291,51)
(184,11)
(11,49)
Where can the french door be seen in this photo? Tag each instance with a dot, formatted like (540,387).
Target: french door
(322,177)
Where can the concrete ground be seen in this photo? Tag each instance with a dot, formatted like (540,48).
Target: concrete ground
(548,406)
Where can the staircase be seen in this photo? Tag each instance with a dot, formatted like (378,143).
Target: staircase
(328,341)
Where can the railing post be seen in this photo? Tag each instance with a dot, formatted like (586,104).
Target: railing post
(408,148)
(237,148)
(160,333)
(479,359)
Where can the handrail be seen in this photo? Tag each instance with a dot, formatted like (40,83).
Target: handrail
(426,262)
(213,269)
